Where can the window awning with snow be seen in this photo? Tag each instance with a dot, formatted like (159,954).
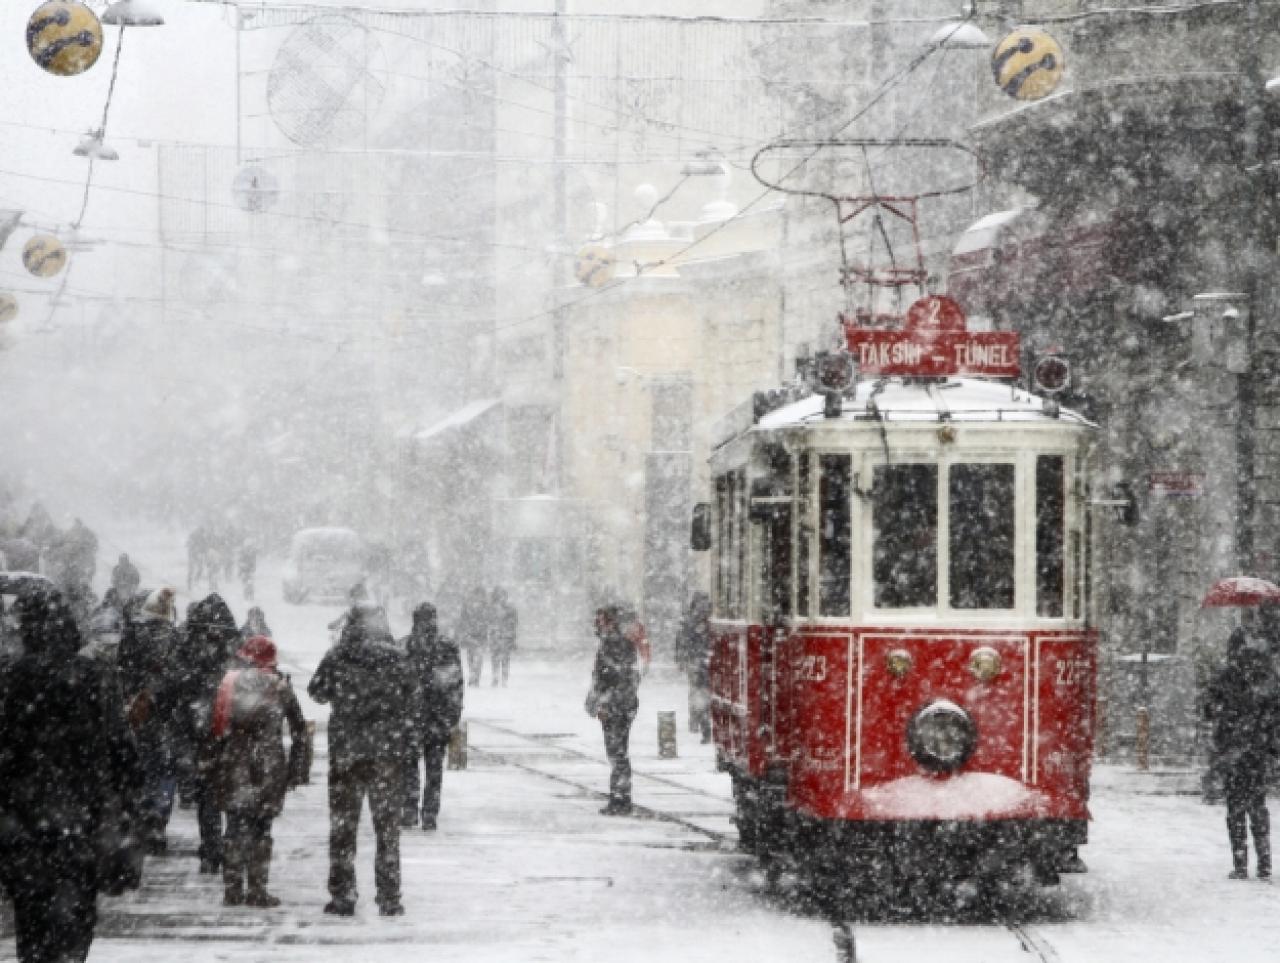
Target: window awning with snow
(465,415)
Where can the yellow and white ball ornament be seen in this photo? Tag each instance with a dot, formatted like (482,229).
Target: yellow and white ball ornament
(595,265)
(64,37)
(1028,64)
(44,256)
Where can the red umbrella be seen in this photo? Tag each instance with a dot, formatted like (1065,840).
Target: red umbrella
(1241,590)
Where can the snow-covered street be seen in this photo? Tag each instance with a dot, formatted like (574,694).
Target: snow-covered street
(523,867)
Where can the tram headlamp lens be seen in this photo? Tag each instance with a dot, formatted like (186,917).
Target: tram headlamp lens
(898,662)
(985,664)
(941,737)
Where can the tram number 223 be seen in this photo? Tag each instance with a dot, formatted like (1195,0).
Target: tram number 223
(810,668)
(1071,673)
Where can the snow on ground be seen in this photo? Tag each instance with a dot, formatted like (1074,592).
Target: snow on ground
(523,868)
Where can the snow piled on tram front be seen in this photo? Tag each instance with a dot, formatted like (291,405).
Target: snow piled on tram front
(952,399)
(967,795)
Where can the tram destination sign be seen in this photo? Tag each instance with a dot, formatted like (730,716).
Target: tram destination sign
(935,342)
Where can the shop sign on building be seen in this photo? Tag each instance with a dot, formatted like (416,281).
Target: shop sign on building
(1176,484)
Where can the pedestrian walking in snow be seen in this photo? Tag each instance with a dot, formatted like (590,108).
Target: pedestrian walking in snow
(247,565)
(146,678)
(125,578)
(68,773)
(366,680)
(436,665)
(1243,704)
(693,655)
(250,771)
(503,624)
(473,631)
(614,699)
(205,648)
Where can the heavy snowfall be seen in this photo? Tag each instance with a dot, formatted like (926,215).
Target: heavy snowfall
(553,480)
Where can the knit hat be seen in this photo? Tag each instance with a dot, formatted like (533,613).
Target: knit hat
(259,651)
(159,606)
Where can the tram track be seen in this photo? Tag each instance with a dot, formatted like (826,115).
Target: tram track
(844,936)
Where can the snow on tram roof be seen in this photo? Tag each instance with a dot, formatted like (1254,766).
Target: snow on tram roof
(899,399)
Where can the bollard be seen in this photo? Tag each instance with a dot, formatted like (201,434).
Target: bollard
(309,753)
(667,735)
(458,746)
(1143,741)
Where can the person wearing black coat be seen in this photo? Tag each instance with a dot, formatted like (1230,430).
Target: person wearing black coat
(693,655)
(436,664)
(205,648)
(614,700)
(145,661)
(365,678)
(68,772)
(1243,704)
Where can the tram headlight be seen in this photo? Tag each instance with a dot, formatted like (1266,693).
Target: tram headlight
(985,663)
(942,736)
(898,662)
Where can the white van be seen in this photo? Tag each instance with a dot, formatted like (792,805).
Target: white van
(324,564)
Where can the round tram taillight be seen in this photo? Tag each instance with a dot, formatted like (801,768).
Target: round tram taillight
(942,736)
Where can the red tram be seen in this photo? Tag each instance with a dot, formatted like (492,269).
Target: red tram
(904,658)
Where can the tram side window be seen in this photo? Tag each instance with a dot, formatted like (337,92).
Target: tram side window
(904,559)
(731,547)
(1051,517)
(804,534)
(981,539)
(835,527)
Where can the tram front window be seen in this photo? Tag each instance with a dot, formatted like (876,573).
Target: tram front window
(1051,505)
(905,551)
(981,538)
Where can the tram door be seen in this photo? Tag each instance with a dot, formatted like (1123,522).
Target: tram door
(771,533)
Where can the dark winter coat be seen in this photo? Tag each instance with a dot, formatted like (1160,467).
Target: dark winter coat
(436,665)
(693,646)
(145,660)
(69,767)
(250,769)
(615,678)
(204,649)
(366,680)
(503,625)
(1243,703)
(125,578)
(473,622)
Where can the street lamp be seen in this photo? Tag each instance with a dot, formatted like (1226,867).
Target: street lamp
(133,13)
(960,35)
(91,146)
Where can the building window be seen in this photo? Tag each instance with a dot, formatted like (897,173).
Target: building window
(981,537)
(905,549)
(835,528)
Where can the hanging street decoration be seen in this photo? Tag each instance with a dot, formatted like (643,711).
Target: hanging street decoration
(255,189)
(8,307)
(595,265)
(44,256)
(64,37)
(1028,64)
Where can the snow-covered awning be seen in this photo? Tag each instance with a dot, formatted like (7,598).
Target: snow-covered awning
(463,416)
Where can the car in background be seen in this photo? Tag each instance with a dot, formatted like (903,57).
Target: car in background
(323,565)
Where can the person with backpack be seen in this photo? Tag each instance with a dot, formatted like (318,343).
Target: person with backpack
(614,699)
(251,773)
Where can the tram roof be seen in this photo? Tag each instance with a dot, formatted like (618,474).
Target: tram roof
(907,400)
